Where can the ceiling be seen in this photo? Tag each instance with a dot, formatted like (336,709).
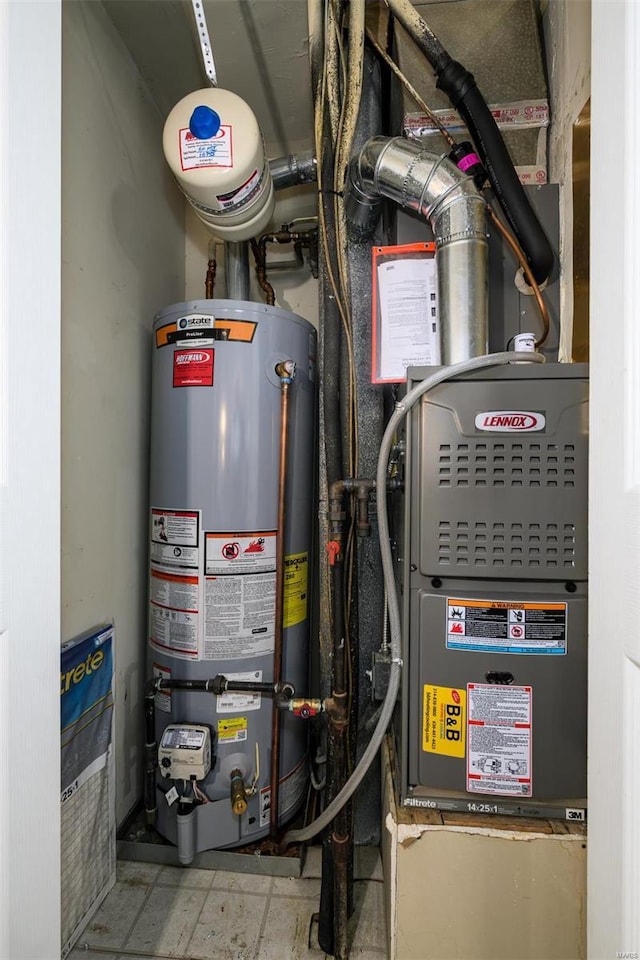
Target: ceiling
(260,48)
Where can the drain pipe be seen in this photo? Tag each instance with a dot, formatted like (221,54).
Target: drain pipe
(432,186)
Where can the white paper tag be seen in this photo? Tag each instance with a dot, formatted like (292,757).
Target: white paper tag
(171,796)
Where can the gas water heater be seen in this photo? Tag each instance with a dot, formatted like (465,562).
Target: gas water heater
(493,544)
(215,431)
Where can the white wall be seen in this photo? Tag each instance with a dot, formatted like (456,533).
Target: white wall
(123,259)
(614,612)
(567,32)
(30,480)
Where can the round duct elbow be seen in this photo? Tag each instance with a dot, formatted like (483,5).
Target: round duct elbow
(214,147)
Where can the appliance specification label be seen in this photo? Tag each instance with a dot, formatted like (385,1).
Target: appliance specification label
(232,702)
(239,616)
(499,739)
(213,152)
(232,730)
(492,626)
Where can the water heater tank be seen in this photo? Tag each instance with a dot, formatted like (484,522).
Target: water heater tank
(215,431)
(214,147)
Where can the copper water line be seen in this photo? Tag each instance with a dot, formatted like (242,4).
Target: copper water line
(210,278)
(285,371)
(259,255)
(526,269)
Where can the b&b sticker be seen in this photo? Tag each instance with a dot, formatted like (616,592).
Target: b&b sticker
(443,720)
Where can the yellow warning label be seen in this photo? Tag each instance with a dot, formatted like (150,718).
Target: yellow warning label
(232,729)
(443,720)
(296,570)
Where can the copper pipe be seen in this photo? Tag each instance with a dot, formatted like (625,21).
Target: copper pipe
(210,279)
(261,271)
(531,280)
(285,382)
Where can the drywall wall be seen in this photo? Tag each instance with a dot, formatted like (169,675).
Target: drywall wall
(29,479)
(567,33)
(123,258)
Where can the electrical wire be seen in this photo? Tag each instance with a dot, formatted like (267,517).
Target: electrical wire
(531,280)
(388,705)
(198,793)
(329,97)
(411,90)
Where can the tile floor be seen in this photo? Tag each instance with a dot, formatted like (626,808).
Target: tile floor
(160,912)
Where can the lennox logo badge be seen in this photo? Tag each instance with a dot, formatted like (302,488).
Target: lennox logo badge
(509,421)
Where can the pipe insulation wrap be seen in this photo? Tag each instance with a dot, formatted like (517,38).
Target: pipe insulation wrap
(432,186)
(395,630)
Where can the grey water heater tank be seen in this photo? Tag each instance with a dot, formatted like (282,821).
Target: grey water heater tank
(215,432)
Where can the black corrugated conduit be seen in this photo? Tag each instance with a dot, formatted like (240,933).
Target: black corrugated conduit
(460,87)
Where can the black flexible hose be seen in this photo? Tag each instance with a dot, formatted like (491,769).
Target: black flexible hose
(460,87)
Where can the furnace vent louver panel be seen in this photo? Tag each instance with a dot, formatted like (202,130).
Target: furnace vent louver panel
(503,504)
(507,464)
(481,544)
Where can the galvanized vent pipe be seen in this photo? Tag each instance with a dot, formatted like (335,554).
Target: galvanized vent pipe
(285,172)
(236,269)
(432,186)
(293,169)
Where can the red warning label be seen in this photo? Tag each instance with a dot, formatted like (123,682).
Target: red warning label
(193,368)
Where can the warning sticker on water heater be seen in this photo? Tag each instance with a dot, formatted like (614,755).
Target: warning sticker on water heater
(173,613)
(296,568)
(174,538)
(234,553)
(499,739)
(493,626)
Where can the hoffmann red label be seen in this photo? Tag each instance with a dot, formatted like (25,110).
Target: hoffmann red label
(193,368)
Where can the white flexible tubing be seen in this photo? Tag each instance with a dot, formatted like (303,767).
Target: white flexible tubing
(401,410)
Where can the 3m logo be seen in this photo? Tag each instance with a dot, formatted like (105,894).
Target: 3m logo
(509,421)
(573,814)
